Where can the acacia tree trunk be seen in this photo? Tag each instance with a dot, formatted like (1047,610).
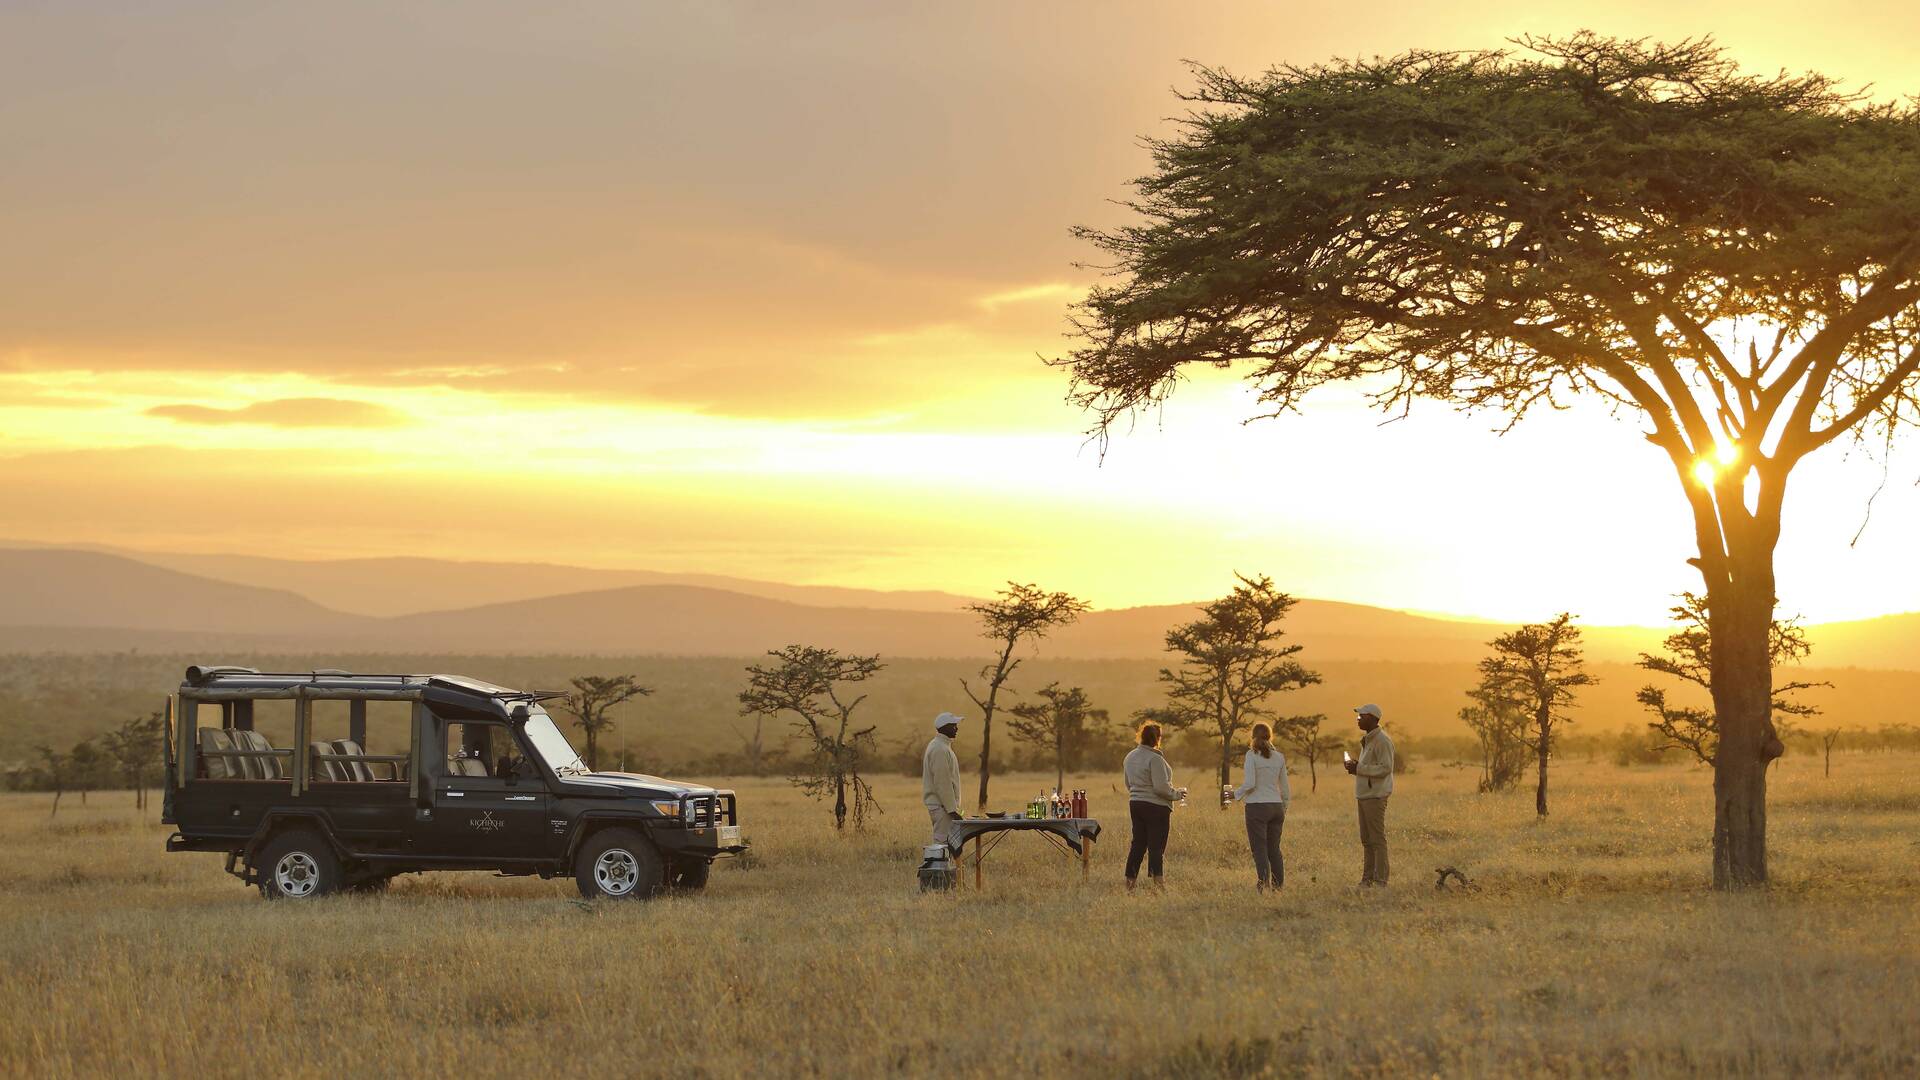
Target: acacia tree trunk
(1001,672)
(1544,749)
(1226,760)
(1741,615)
(839,800)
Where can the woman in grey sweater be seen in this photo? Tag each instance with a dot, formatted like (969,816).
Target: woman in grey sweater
(1265,794)
(1150,799)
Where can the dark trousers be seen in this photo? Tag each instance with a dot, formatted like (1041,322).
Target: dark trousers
(1263,836)
(1150,826)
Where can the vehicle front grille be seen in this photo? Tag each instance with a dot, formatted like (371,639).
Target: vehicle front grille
(707,811)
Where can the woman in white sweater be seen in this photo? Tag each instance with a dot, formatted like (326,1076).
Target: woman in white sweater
(1265,793)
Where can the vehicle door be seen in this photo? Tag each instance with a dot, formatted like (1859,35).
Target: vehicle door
(486,801)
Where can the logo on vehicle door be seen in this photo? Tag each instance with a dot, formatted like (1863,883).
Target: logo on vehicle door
(486,822)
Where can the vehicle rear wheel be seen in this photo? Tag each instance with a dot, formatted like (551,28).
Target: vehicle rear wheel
(690,874)
(620,864)
(298,865)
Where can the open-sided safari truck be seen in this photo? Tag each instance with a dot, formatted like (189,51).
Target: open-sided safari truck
(327,781)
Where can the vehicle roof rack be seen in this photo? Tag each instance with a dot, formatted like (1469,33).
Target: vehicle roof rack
(197,674)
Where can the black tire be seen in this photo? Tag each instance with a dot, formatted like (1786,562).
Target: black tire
(298,865)
(689,875)
(619,864)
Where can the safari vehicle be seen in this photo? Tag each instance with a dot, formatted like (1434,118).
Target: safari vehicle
(472,777)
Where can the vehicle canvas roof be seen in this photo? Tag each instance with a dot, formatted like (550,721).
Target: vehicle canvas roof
(207,681)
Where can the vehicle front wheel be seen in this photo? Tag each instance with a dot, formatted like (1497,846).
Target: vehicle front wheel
(690,874)
(298,865)
(620,864)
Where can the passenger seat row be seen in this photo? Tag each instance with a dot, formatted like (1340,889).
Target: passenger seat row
(218,748)
(325,768)
(223,753)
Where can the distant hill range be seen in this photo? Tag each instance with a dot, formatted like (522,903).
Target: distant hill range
(71,599)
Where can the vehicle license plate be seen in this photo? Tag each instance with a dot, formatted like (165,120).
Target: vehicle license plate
(729,834)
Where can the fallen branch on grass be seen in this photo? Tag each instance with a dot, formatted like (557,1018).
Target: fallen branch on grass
(1446,872)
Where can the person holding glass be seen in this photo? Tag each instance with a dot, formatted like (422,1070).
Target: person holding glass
(1265,794)
(1150,799)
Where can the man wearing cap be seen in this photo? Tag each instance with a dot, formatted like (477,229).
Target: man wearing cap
(940,776)
(1372,784)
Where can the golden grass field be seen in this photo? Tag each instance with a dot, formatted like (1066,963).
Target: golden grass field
(1592,948)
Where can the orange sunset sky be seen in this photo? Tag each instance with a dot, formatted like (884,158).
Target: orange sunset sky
(760,289)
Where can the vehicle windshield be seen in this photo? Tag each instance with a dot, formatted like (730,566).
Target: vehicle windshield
(552,746)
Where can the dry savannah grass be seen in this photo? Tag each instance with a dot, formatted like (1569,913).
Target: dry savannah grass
(1592,947)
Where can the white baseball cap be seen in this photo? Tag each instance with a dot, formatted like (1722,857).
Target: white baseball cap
(944,719)
(1369,710)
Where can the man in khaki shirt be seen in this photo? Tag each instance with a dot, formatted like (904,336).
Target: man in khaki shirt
(1372,784)
(940,776)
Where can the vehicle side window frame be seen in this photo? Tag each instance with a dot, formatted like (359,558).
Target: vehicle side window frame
(513,736)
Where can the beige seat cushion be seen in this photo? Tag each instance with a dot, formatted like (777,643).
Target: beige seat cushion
(216,763)
(258,768)
(324,769)
(357,770)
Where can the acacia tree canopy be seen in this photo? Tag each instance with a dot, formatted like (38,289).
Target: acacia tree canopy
(1507,230)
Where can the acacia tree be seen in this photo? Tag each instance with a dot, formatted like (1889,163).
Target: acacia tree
(56,769)
(1302,735)
(86,767)
(1730,258)
(1062,722)
(1231,662)
(591,703)
(1537,667)
(135,749)
(1687,655)
(1022,613)
(1500,723)
(804,684)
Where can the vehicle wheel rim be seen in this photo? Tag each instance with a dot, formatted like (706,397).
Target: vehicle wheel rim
(297,874)
(616,872)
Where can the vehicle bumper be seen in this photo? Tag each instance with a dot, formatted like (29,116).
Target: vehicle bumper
(709,842)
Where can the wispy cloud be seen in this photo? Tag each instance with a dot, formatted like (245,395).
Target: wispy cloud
(1051,291)
(287,413)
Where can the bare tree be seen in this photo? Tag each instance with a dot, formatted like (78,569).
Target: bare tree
(1688,656)
(1022,613)
(1539,667)
(1827,739)
(804,684)
(591,703)
(1302,734)
(1062,721)
(752,747)
(1732,259)
(1231,663)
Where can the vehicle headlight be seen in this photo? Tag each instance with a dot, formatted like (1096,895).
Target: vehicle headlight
(668,807)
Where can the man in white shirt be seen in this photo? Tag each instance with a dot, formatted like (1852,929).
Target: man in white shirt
(1372,784)
(940,776)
